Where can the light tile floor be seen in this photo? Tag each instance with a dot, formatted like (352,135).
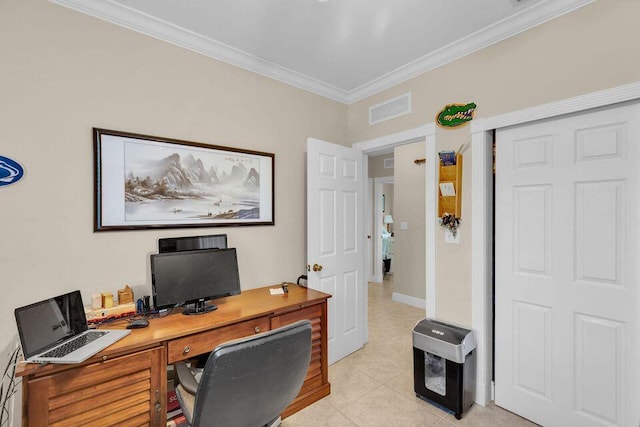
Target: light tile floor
(374,386)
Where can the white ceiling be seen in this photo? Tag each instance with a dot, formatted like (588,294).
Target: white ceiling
(345,50)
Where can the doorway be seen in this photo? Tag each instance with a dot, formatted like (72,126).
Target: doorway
(401,224)
(382,229)
(385,145)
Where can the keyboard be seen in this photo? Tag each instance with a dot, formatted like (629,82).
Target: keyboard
(74,344)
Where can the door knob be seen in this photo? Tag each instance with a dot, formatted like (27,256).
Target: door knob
(317,267)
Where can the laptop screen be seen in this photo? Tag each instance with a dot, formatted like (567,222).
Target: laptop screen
(46,323)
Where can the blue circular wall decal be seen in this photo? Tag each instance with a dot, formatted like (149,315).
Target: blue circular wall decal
(10,171)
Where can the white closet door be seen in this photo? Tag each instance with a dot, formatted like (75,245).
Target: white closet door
(567,301)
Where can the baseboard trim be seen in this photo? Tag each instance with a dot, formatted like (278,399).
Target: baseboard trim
(409,300)
(482,398)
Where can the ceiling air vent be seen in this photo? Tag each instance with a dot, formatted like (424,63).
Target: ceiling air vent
(388,163)
(390,109)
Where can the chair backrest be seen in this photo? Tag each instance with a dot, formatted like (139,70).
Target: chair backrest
(249,382)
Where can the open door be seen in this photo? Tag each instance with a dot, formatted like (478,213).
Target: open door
(336,177)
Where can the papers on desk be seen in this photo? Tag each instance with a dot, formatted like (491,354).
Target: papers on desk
(276,291)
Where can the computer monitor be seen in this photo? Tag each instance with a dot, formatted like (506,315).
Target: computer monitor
(194,277)
(189,243)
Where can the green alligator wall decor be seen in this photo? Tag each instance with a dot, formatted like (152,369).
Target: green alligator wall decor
(454,115)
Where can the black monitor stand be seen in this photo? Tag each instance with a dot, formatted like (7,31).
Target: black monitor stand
(199,307)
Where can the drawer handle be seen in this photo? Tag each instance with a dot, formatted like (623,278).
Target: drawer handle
(186,349)
(257,329)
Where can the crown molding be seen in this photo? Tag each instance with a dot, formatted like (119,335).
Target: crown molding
(501,30)
(146,24)
(151,26)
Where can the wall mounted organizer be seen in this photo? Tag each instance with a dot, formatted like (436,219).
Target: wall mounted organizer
(450,188)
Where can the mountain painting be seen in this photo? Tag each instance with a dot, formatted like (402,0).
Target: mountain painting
(168,183)
(147,182)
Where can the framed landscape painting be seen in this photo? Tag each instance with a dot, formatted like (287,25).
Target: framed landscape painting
(144,181)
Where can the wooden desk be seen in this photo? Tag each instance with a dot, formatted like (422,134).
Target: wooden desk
(126,384)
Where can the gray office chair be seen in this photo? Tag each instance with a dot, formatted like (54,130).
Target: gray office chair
(247,382)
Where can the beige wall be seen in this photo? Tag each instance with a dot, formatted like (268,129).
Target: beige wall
(591,49)
(62,74)
(376,166)
(453,270)
(409,206)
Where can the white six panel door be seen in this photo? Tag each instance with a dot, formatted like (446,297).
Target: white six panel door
(567,300)
(335,235)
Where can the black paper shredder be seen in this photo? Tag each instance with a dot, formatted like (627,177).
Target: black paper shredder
(444,365)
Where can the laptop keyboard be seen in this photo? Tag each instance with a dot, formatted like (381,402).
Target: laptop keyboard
(74,344)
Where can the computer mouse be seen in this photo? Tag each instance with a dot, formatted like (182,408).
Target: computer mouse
(138,323)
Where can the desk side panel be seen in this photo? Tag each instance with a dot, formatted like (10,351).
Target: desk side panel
(114,392)
(316,384)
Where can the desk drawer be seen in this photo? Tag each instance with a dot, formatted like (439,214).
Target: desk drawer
(204,342)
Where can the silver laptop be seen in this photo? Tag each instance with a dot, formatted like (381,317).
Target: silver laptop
(55,330)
